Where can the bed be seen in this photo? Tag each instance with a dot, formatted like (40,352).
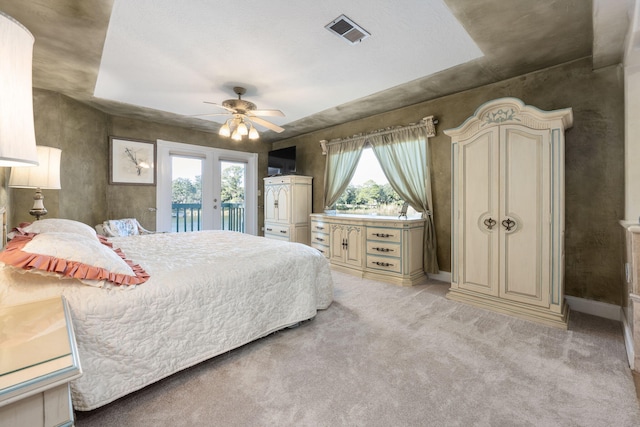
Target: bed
(204,293)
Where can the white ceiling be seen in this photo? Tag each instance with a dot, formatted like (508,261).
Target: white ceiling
(171,56)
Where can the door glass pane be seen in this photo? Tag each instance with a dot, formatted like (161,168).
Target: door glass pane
(186,194)
(232,195)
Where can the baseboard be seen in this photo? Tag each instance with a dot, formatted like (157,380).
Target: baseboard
(628,341)
(443,276)
(595,308)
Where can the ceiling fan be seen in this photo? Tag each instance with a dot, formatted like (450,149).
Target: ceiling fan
(245,116)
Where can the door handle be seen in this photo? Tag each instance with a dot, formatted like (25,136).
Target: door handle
(489,222)
(508,224)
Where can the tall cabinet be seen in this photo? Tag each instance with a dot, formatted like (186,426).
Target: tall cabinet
(287,206)
(508,210)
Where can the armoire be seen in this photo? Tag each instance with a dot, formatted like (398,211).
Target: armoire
(287,206)
(508,210)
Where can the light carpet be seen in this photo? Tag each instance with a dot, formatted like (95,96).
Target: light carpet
(384,355)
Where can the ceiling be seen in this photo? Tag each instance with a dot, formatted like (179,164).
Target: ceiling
(160,59)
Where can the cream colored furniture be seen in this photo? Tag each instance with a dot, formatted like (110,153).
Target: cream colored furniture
(381,248)
(38,359)
(287,205)
(508,210)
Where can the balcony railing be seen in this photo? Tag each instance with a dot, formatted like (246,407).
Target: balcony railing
(187,216)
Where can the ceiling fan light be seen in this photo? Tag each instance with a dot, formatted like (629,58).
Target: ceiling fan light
(236,135)
(242,128)
(253,133)
(225,130)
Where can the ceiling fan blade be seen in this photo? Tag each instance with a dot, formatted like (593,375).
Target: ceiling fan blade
(265,113)
(221,106)
(210,114)
(266,124)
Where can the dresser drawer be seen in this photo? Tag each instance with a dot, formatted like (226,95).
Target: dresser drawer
(277,230)
(384,234)
(319,226)
(383,248)
(382,263)
(324,250)
(320,238)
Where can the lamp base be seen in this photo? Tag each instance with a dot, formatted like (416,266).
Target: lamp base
(38,208)
(38,213)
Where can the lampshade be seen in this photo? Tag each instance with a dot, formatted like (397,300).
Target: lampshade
(44,176)
(17,134)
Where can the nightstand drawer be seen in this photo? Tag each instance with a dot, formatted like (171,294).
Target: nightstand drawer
(383,248)
(384,234)
(382,263)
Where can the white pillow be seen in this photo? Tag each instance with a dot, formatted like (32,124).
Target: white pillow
(60,225)
(72,247)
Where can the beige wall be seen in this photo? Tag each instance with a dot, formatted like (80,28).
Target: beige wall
(594,164)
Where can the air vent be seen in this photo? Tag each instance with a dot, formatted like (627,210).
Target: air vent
(347,30)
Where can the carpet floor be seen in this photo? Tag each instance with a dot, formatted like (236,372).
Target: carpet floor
(383,355)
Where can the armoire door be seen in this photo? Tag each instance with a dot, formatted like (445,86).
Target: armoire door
(283,195)
(270,197)
(525,214)
(478,216)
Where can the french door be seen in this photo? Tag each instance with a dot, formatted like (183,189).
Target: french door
(203,188)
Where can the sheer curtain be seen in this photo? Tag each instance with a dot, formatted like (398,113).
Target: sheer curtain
(404,157)
(342,159)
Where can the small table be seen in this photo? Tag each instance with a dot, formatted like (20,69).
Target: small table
(38,359)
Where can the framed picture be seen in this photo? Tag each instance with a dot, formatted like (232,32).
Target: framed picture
(132,161)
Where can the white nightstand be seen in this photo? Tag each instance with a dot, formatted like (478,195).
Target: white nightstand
(38,359)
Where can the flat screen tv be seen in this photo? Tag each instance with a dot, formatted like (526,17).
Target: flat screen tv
(282,161)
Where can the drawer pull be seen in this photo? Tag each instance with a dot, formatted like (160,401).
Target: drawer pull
(319,239)
(382,264)
(382,235)
(382,249)
(269,229)
(283,231)
(319,228)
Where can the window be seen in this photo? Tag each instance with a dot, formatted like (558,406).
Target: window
(369,192)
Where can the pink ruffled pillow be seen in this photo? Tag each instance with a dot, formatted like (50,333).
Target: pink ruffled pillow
(91,260)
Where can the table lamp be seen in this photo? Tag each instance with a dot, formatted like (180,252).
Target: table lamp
(44,176)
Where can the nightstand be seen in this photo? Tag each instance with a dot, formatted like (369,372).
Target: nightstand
(38,359)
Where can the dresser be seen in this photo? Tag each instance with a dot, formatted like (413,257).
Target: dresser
(287,205)
(508,210)
(38,359)
(381,248)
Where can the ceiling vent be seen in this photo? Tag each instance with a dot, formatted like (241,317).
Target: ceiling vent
(347,30)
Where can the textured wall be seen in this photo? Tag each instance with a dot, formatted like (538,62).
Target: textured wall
(594,163)
(80,132)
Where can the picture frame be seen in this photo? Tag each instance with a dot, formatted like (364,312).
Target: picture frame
(132,161)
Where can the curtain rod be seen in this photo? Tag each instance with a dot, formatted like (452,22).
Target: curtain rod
(428,122)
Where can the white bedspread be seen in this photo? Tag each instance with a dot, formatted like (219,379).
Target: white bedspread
(209,292)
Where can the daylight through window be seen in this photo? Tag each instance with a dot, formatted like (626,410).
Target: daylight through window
(369,192)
